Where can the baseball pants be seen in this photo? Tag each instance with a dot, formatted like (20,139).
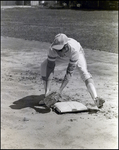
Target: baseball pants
(81,66)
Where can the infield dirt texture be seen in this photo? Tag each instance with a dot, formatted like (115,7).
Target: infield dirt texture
(26,34)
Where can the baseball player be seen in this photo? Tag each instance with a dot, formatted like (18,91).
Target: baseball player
(65,49)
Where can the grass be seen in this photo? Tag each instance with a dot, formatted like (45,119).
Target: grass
(93,29)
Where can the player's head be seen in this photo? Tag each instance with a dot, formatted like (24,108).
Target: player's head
(59,41)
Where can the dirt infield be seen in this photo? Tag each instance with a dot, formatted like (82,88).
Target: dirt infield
(27,125)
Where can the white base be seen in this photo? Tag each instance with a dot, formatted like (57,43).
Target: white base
(69,106)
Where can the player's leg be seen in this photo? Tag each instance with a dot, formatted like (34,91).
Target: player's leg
(87,78)
(92,90)
(91,87)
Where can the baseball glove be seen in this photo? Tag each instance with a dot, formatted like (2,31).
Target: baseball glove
(51,99)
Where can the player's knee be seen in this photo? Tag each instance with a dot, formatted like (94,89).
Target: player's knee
(85,75)
(89,80)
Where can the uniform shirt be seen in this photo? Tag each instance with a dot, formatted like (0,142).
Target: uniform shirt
(72,56)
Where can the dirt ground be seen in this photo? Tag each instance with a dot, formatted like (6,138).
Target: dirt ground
(27,125)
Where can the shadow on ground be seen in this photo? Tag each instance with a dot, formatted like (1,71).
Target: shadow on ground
(31,101)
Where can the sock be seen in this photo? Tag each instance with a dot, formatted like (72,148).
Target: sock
(91,88)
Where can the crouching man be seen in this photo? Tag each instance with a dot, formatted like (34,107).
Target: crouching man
(65,49)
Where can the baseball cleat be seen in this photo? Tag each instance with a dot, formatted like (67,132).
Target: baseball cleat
(99,102)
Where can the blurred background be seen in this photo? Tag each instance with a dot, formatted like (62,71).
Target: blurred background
(93,23)
(97,4)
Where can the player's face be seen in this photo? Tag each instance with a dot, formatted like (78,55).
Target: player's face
(63,51)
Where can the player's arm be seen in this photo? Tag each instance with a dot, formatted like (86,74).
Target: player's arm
(50,62)
(70,69)
(49,70)
(69,72)
(50,66)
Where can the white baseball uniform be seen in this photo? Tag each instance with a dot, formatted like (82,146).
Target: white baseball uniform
(75,58)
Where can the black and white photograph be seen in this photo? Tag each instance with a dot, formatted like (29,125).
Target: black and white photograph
(59,74)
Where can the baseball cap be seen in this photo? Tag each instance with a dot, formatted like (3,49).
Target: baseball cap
(59,41)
